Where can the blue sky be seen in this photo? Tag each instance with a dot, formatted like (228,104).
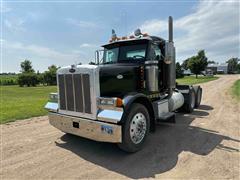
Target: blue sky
(64,33)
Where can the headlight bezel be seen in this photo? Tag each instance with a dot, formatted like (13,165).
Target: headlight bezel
(110,102)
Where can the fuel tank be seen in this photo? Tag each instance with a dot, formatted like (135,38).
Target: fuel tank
(118,79)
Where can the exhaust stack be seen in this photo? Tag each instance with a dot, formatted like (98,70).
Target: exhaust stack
(170,29)
(169,74)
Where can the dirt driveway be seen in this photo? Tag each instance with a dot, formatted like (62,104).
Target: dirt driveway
(202,145)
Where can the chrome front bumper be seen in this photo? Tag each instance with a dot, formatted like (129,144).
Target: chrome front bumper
(91,129)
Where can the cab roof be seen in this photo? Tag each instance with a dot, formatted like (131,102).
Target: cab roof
(135,40)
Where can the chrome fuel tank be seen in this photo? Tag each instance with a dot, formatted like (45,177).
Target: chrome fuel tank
(176,101)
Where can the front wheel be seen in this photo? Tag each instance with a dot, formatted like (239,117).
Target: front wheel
(135,128)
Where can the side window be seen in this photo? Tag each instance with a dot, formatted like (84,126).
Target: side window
(156,52)
(110,55)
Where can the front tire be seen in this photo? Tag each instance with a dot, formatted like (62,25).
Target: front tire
(135,128)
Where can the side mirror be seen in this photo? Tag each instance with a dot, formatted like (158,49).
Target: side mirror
(98,56)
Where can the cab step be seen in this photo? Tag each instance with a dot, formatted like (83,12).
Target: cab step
(168,117)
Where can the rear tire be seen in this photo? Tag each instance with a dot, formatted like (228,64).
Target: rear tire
(189,101)
(198,93)
(135,128)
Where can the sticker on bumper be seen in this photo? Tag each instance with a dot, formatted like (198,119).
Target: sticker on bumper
(107,129)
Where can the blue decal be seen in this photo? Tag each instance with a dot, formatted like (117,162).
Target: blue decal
(107,129)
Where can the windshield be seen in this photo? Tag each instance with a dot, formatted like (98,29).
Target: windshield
(129,53)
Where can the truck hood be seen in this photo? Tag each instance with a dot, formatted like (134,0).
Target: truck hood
(118,79)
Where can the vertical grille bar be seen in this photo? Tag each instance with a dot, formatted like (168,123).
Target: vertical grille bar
(82,93)
(62,92)
(74,99)
(69,89)
(78,92)
(86,92)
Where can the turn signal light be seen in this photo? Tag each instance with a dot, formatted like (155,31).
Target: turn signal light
(119,102)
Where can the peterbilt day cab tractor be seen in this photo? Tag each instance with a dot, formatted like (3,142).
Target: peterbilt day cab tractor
(124,95)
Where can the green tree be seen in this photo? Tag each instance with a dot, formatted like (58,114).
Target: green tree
(28,76)
(198,63)
(185,64)
(232,65)
(238,68)
(50,75)
(26,66)
(179,71)
(28,79)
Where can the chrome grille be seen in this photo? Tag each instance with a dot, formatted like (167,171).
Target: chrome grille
(74,92)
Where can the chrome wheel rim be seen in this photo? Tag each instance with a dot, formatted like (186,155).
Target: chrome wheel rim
(193,100)
(138,127)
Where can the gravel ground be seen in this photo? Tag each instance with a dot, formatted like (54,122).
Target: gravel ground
(201,145)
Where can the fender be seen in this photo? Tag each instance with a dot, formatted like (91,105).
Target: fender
(141,98)
(130,98)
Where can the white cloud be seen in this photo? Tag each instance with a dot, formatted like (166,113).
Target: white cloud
(5,9)
(214,26)
(16,24)
(41,56)
(38,51)
(80,23)
(154,26)
(86,45)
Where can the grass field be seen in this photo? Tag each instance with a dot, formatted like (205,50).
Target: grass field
(190,80)
(23,102)
(236,90)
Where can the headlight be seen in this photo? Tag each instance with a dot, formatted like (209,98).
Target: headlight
(53,97)
(117,102)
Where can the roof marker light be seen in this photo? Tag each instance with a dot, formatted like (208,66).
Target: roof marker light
(137,32)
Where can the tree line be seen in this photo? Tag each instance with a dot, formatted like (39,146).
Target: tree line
(28,76)
(199,63)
